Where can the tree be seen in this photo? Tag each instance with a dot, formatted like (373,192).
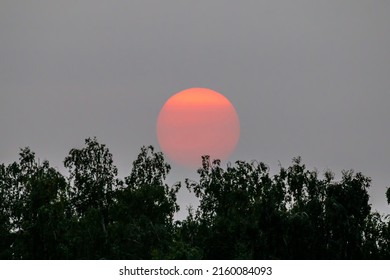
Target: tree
(5,214)
(92,182)
(239,211)
(346,211)
(245,212)
(145,209)
(33,208)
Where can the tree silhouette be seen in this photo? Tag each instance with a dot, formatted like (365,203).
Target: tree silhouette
(244,212)
(33,201)
(145,209)
(92,182)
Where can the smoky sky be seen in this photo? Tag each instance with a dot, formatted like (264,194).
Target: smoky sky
(307,78)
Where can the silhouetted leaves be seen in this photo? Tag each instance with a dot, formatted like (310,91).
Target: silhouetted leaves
(143,226)
(33,201)
(244,212)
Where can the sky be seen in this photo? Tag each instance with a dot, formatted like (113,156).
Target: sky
(307,78)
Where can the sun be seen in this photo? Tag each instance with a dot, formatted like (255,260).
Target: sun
(196,122)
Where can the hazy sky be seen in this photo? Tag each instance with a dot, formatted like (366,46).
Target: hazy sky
(307,78)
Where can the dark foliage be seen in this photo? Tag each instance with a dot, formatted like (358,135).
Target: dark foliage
(244,212)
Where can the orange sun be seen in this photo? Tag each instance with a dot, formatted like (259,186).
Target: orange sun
(197,122)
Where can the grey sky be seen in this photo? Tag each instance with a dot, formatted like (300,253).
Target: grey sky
(308,78)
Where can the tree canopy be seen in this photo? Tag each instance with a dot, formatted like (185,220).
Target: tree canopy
(244,211)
